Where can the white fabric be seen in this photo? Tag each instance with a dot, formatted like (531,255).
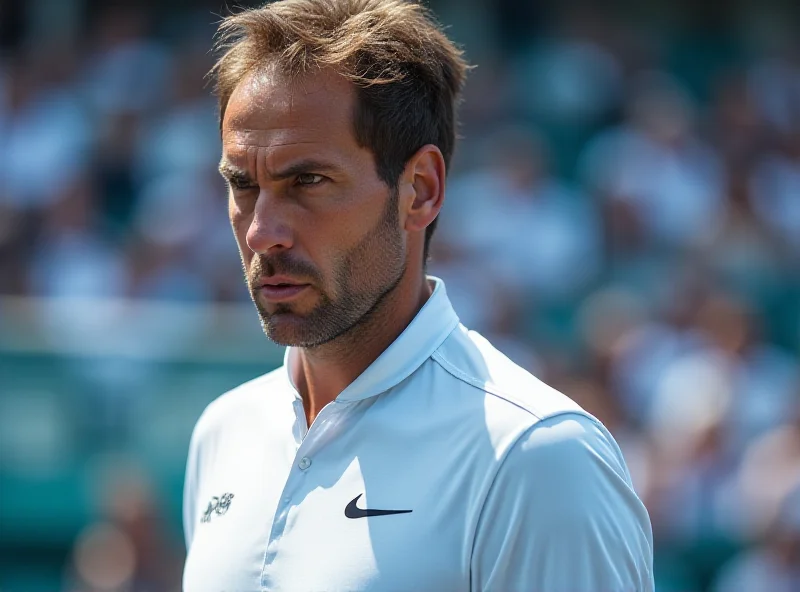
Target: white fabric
(511,485)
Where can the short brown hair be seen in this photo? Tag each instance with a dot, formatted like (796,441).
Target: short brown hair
(407,73)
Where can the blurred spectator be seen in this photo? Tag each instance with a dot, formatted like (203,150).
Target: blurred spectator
(774,191)
(48,133)
(570,76)
(536,234)
(171,218)
(128,548)
(184,135)
(128,70)
(73,257)
(775,563)
(775,84)
(662,184)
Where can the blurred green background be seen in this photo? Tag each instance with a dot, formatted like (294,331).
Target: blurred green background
(628,175)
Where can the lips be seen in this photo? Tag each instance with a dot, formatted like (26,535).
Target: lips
(280,289)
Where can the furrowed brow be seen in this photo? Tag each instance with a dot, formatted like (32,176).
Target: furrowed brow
(303,167)
(233,173)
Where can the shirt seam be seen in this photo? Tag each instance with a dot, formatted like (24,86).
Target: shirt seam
(473,381)
(490,388)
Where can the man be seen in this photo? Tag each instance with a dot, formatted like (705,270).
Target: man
(394,449)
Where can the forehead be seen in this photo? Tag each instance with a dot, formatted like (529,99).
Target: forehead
(268,110)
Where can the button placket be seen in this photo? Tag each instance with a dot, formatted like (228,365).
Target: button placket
(300,426)
(305,462)
(313,436)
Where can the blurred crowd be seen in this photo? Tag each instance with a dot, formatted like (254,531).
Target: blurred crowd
(622,218)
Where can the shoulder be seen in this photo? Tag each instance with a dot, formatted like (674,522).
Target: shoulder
(562,515)
(537,431)
(566,476)
(529,422)
(469,358)
(574,453)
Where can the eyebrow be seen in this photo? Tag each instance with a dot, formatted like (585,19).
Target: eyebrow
(234,173)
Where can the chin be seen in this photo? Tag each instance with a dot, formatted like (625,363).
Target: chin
(282,330)
(287,329)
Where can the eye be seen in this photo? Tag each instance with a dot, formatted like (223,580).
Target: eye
(309,179)
(241,184)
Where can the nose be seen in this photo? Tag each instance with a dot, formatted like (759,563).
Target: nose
(270,228)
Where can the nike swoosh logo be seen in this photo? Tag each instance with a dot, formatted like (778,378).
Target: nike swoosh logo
(353,511)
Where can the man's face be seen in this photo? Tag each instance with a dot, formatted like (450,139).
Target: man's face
(318,231)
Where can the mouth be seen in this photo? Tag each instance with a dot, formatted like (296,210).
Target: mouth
(277,289)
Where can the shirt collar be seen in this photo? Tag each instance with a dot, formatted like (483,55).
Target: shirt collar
(426,332)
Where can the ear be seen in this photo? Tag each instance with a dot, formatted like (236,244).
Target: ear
(422,188)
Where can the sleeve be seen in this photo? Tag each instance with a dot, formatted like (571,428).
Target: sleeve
(561,516)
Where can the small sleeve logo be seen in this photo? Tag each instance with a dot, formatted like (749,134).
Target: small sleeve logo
(217,505)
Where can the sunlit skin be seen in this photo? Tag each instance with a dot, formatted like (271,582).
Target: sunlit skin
(332,255)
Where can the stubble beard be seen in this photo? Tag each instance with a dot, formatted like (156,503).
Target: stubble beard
(364,277)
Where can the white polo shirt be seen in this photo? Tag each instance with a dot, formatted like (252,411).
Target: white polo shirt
(443,467)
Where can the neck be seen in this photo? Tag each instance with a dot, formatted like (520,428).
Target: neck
(322,372)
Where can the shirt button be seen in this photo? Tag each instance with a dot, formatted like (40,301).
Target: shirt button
(286,500)
(304,463)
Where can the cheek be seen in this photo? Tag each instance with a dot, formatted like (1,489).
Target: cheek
(240,224)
